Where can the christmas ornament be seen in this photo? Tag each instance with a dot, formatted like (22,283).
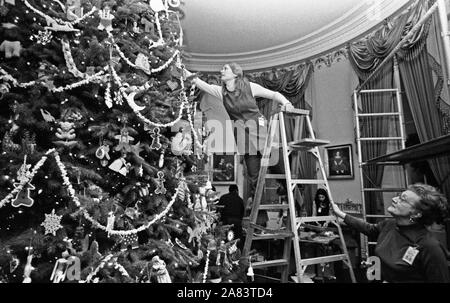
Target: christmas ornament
(43,37)
(161,160)
(28,269)
(160,181)
(13,263)
(157,5)
(52,223)
(90,70)
(4,89)
(124,141)
(136,28)
(155,136)
(134,106)
(250,272)
(180,244)
(181,143)
(28,143)
(222,252)
(66,132)
(159,269)
(74,9)
(53,25)
(130,240)
(11,48)
(105,19)
(142,62)
(173,85)
(47,116)
(8,145)
(230,235)
(143,189)
(110,222)
(132,212)
(23,176)
(120,166)
(102,153)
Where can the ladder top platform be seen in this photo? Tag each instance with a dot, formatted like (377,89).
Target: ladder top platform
(307,143)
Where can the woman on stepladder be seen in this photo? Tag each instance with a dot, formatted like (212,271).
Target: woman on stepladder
(408,252)
(238,96)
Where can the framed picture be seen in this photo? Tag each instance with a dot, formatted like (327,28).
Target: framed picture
(340,161)
(224,168)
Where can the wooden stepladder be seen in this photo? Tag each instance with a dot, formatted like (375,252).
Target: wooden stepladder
(290,234)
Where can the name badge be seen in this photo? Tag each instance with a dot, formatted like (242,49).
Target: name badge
(261,121)
(410,255)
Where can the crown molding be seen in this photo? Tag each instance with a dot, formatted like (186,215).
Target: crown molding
(350,26)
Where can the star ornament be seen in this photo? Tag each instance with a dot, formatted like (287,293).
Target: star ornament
(52,223)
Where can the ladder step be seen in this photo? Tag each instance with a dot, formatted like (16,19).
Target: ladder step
(382,163)
(270,263)
(308,181)
(315,219)
(275,176)
(380,138)
(273,206)
(296,111)
(383,189)
(379,114)
(324,259)
(307,143)
(272,236)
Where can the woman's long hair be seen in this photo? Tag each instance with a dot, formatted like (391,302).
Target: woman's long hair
(322,191)
(240,80)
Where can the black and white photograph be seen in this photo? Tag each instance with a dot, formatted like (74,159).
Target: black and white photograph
(196,143)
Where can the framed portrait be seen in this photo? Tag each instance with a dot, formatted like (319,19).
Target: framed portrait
(340,161)
(224,168)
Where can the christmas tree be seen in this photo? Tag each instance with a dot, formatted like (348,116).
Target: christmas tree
(101,167)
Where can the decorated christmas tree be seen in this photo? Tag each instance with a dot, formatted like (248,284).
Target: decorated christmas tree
(101,159)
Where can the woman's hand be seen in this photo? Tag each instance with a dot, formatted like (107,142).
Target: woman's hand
(287,107)
(339,213)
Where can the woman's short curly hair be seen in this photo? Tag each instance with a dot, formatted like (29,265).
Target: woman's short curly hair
(433,204)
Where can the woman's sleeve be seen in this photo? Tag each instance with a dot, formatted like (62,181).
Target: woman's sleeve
(212,89)
(362,226)
(435,263)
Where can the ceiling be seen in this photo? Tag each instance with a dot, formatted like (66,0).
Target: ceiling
(265,33)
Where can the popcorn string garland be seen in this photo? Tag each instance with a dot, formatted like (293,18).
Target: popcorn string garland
(57,20)
(117,266)
(72,194)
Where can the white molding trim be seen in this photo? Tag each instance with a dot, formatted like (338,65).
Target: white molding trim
(353,24)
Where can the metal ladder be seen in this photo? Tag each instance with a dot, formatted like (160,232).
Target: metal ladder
(396,114)
(290,234)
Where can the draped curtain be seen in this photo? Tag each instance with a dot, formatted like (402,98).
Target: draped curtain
(416,74)
(292,84)
(365,56)
(416,70)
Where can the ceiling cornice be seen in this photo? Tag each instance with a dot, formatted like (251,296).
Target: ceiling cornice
(353,24)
